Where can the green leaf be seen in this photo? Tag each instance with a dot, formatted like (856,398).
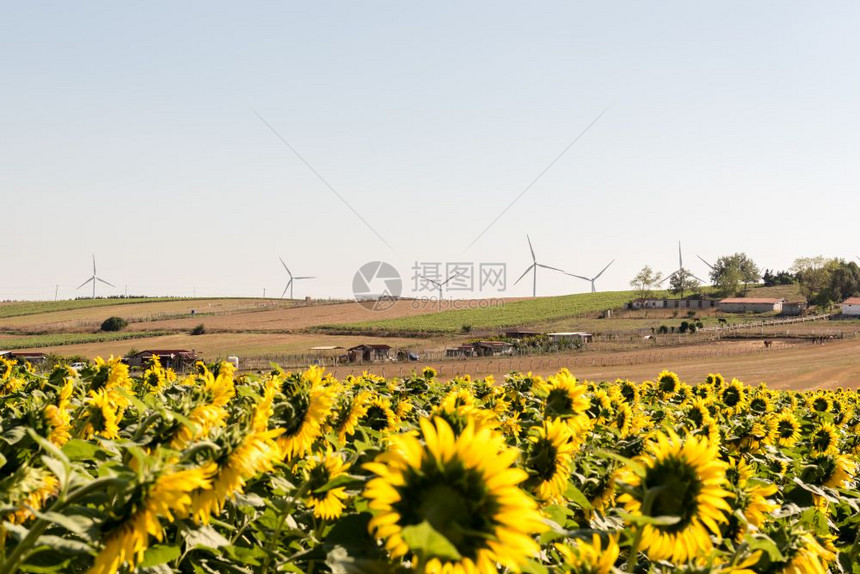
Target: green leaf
(76,523)
(60,543)
(636,467)
(427,542)
(575,495)
(159,554)
(77,449)
(766,545)
(206,536)
(338,481)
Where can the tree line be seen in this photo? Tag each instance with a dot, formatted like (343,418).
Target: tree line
(821,280)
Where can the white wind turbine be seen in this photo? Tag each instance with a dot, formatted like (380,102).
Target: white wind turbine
(95,278)
(680,269)
(593,279)
(292,279)
(439,285)
(533,268)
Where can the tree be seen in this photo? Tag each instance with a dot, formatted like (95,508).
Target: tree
(734,273)
(813,274)
(772,278)
(645,281)
(114,324)
(682,282)
(844,281)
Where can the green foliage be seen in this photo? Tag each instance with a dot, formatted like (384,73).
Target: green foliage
(199,329)
(733,274)
(683,282)
(112,324)
(645,281)
(61,339)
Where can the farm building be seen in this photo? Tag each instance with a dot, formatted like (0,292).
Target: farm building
(23,356)
(793,307)
(672,304)
(750,305)
(461,351)
(851,307)
(572,336)
(492,348)
(176,359)
(521,334)
(368,353)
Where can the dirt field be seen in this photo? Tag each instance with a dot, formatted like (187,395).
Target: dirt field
(212,346)
(783,365)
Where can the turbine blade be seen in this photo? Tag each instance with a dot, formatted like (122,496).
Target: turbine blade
(105,282)
(85,282)
(436,283)
(553,268)
(297,278)
(290,282)
(667,277)
(579,277)
(705,262)
(680,259)
(526,272)
(534,260)
(454,276)
(94,264)
(604,269)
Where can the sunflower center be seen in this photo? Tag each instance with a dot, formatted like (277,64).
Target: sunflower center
(454,502)
(376,418)
(731,396)
(786,429)
(675,488)
(559,403)
(820,405)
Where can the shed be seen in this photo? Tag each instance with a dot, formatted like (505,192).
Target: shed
(461,351)
(24,356)
(521,334)
(750,305)
(492,348)
(793,307)
(368,353)
(851,307)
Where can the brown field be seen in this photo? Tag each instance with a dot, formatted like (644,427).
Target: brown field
(299,317)
(212,346)
(796,365)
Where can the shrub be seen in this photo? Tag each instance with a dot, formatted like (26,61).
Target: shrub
(466,328)
(199,329)
(114,324)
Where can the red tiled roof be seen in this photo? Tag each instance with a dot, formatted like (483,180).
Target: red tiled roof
(852,301)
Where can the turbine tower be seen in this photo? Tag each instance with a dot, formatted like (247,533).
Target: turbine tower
(533,268)
(442,284)
(95,278)
(680,269)
(292,279)
(593,279)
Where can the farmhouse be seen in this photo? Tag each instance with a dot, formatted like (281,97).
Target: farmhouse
(368,353)
(461,351)
(571,336)
(23,356)
(690,303)
(750,305)
(851,307)
(176,359)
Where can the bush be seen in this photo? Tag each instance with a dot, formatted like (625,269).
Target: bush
(114,324)
(199,329)
(466,328)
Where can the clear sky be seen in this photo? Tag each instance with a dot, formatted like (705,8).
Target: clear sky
(129,131)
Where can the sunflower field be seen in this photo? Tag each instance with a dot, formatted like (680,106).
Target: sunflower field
(102,472)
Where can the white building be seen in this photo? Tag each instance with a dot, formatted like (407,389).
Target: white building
(851,307)
(571,336)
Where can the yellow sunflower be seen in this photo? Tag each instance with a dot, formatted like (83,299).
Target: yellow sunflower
(734,397)
(566,400)
(548,457)
(28,488)
(255,454)
(668,383)
(303,413)
(168,497)
(583,557)
(824,439)
(683,479)
(102,416)
(787,429)
(463,487)
(327,505)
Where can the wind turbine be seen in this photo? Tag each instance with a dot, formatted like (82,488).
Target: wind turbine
(442,284)
(533,267)
(593,279)
(95,278)
(711,267)
(290,282)
(680,269)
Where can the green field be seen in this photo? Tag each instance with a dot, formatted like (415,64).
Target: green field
(20,308)
(507,314)
(62,339)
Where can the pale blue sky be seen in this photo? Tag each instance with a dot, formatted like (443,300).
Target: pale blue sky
(129,131)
